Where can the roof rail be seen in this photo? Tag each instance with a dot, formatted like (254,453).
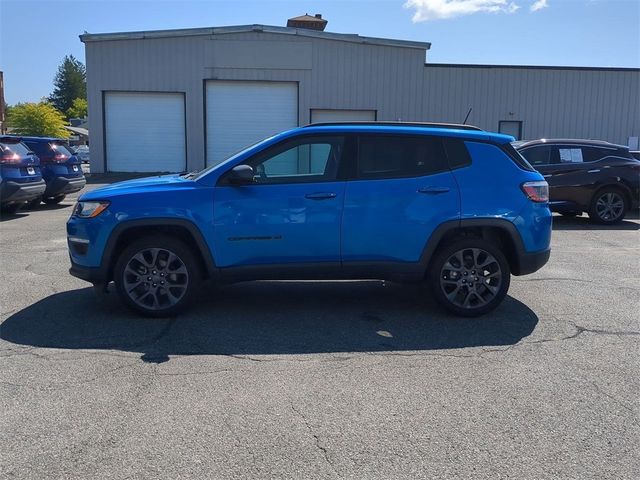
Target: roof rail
(456,126)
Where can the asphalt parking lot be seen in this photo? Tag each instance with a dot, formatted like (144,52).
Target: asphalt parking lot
(322,379)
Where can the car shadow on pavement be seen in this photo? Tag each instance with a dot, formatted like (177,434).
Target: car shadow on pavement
(5,217)
(268,318)
(584,223)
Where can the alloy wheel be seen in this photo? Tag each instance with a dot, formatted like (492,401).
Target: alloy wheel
(610,206)
(155,278)
(471,278)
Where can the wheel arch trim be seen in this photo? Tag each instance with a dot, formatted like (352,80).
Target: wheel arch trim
(108,255)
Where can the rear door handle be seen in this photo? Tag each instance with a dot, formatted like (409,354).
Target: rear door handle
(320,196)
(547,176)
(433,190)
(595,170)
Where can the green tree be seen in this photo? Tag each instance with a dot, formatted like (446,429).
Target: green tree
(38,119)
(78,108)
(70,83)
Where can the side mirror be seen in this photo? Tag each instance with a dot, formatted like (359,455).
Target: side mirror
(241,175)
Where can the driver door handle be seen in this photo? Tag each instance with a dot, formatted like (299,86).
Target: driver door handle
(320,196)
(433,190)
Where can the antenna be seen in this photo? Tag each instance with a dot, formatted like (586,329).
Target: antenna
(467,117)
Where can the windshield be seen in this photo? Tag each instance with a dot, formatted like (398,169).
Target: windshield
(19,148)
(202,173)
(59,148)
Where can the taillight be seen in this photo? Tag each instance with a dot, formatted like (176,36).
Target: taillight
(536,191)
(59,158)
(10,158)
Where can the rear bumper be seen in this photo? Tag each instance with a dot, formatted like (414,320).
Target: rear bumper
(532,262)
(64,186)
(15,192)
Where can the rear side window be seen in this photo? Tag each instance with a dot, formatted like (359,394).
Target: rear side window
(397,156)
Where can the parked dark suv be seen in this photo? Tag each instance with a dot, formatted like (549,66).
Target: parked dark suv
(61,169)
(600,178)
(20,177)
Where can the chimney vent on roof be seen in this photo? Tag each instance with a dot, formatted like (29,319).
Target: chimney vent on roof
(315,22)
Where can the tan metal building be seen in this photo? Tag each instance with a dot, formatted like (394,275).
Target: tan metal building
(178,100)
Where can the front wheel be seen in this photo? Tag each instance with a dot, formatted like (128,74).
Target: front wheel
(11,208)
(54,200)
(470,277)
(156,276)
(609,206)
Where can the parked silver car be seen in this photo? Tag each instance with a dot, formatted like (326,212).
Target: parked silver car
(82,152)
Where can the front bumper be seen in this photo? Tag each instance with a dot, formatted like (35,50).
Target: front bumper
(64,186)
(95,275)
(532,262)
(16,192)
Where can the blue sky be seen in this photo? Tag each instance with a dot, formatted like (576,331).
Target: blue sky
(35,35)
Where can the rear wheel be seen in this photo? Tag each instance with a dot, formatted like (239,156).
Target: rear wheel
(11,208)
(156,276)
(54,200)
(608,206)
(35,203)
(470,277)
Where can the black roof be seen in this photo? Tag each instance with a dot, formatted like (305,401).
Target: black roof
(568,141)
(455,126)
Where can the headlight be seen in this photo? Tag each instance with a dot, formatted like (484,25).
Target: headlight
(89,209)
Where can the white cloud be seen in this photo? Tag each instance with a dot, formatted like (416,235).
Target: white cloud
(539,5)
(441,9)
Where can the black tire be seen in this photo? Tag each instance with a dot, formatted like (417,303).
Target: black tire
(54,200)
(608,206)
(35,203)
(151,298)
(449,283)
(11,208)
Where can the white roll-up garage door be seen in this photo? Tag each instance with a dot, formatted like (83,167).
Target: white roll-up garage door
(241,113)
(319,116)
(144,132)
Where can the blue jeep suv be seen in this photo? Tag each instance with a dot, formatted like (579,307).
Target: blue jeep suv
(61,169)
(20,176)
(452,205)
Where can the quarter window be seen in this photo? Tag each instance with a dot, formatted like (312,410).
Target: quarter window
(396,156)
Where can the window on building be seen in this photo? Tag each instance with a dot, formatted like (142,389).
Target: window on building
(511,127)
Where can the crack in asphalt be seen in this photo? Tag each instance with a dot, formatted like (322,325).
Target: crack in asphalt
(615,400)
(319,446)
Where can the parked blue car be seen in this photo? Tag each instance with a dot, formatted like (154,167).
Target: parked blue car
(61,169)
(20,177)
(452,205)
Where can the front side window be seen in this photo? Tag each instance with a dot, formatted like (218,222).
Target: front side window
(397,156)
(302,160)
(538,155)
